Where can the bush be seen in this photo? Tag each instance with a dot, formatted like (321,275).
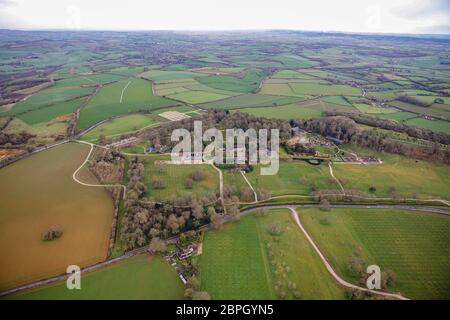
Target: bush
(52,234)
(198,176)
(189,183)
(275,229)
(158,184)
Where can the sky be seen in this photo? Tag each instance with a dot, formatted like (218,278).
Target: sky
(374,16)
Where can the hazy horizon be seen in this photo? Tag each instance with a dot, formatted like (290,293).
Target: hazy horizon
(347,16)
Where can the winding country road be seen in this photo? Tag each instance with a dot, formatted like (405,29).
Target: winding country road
(330,269)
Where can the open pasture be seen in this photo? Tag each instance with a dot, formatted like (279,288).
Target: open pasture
(246,84)
(293,177)
(48,97)
(118,126)
(51,112)
(398,175)
(174,177)
(250,101)
(160,75)
(121,98)
(236,263)
(313,88)
(289,111)
(140,277)
(415,245)
(38,192)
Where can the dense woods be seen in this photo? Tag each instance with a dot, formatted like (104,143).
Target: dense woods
(145,221)
(220,120)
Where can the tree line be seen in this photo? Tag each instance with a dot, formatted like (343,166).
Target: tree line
(346,128)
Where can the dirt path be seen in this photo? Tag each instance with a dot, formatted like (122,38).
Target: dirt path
(250,185)
(123,90)
(330,269)
(74,175)
(336,179)
(222,199)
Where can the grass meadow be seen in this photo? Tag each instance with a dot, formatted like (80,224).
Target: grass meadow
(400,174)
(416,246)
(32,200)
(141,277)
(174,178)
(237,263)
(293,177)
(137,96)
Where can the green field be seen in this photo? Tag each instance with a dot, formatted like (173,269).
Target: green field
(398,116)
(409,177)
(290,111)
(159,75)
(174,177)
(249,83)
(197,96)
(366,108)
(250,101)
(141,277)
(416,246)
(37,193)
(279,89)
(122,125)
(48,97)
(293,177)
(51,112)
(137,96)
(294,61)
(314,88)
(45,132)
(341,100)
(435,125)
(236,263)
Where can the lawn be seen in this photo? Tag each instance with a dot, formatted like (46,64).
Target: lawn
(290,111)
(398,116)
(140,278)
(38,192)
(437,110)
(279,89)
(366,108)
(314,88)
(137,96)
(174,177)
(49,113)
(236,262)
(48,97)
(159,75)
(197,96)
(409,177)
(45,132)
(416,246)
(295,62)
(249,83)
(250,101)
(122,125)
(435,125)
(293,177)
